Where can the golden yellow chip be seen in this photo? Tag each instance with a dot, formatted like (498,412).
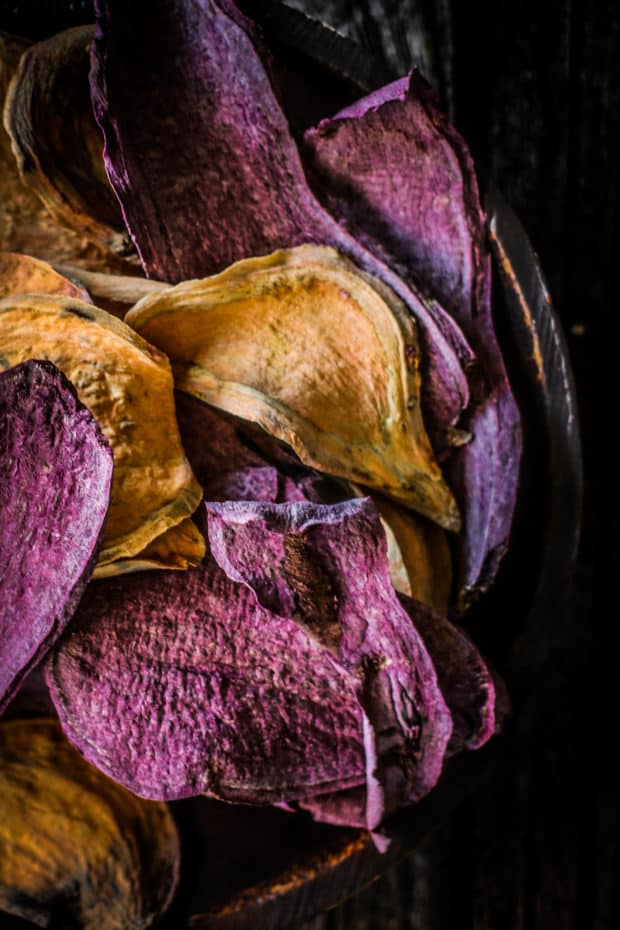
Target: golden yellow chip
(25,224)
(77,849)
(418,554)
(127,386)
(22,274)
(301,344)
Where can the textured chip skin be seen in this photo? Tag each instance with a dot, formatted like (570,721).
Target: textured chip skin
(239,185)
(76,850)
(23,274)
(466,682)
(302,344)
(253,690)
(56,141)
(327,566)
(55,476)
(127,385)
(233,701)
(393,169)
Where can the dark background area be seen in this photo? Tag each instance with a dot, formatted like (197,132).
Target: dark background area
(535,89)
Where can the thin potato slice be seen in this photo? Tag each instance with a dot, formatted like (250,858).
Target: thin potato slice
(181,547)
(22,274)
(421,549)
(77,850)
(56,141)
(116,293)
(301,344)
(127,386)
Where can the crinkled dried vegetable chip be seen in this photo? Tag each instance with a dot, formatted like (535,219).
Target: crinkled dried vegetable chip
(22,274)
(303,675)
(465,680)
(422,549)
(116,293)
(326,566)
(76,850)
(239,187)
(393,169)
(25,224)
(301,344)
(56,141)
(127,386)
(55,475)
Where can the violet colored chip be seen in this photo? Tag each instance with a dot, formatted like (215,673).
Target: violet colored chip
(465,680)
(195,103)
(177,684)
(326,565)
(55,473)
(401,179)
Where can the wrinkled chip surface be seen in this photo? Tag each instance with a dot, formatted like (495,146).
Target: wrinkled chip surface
(25,224)
(289,672)
(116,293)
(22,274)
(76,850)
(465,680)
(127,386)
(56,140)
(239,187)
(55,475)
(301,344)
(421,552)
(393,169)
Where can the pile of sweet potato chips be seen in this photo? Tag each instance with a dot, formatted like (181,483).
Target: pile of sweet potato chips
(243,499)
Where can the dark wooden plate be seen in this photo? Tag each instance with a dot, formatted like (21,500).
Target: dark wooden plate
(265,869)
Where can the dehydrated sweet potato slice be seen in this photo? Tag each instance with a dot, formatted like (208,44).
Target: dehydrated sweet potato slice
(116,293)
(178,548)
(282,670)
(56,141)
(423,550)
(76,850)
(239,185)
(401,178)
(127,386)
(25,224)
(466,681)
(301,344)
(22,274)
(55,475)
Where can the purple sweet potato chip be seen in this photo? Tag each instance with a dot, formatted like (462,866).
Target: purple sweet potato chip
(55,473)
(465,680)
(326,565)
(179,684)
(394,171)
(195,104)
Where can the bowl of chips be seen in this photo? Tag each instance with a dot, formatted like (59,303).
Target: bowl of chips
(280,399)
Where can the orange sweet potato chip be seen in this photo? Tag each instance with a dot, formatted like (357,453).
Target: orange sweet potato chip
(309,349)
(25,223)
(56,141)
(418,554)
(127,386)
(77,849)
(22,274)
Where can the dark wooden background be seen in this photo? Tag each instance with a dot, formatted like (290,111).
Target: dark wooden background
(535,88)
